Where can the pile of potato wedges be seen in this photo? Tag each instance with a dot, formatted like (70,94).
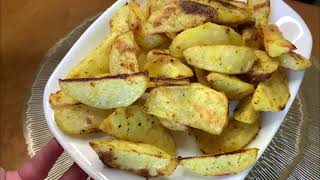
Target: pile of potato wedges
(175,65)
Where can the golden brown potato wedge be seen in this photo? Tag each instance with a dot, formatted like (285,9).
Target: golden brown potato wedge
(182,15)
(177,17)
(142,159)
(106,92)
(272,94)
(173,125)
(206,34)
(274,42)
(167,67)
(137,21)
(225,59)
(59,98)
(221,164)
(228,13)
(79,119)
(251,37)
(260,11)
(262,68)
(245,112)
(202,76)
(133,124)
(234,88)
(119,22)
(193,105)
(96,62)
(123,55)
(234,137)
(294,61)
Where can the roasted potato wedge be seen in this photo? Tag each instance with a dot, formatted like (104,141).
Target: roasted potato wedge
(234,137)
(167,67)
(177,17)
(272,94)
(245,112)
(225,59)
(228,13)
(119,23)
(155,82)
(294,61)
(234,88)
(274,42)
(133,124)
(59,98)
(206,34)
(142,159)
(173,125)
(80,119)
(251,38)
(193,105)
(96,62)
(182,15)
(260,11)
(106,92)
(158,4)
(137,22)
(123,55)
(202,76)
(262,68)
(221,164)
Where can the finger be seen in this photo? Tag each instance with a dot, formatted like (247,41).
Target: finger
(11,175)
(74,172)
(39,166)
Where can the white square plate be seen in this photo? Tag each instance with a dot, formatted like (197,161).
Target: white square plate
(290,23)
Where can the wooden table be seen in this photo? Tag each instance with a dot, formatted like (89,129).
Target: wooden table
(28,29)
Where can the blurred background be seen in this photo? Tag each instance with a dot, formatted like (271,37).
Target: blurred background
(30,27)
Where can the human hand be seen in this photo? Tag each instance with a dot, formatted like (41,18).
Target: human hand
(38,167)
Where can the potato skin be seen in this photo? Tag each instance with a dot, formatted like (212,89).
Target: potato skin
(142,159)
(193,105)
(206,34)
(225,59)
(234,137)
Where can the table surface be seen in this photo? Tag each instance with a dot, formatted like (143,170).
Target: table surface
(28,29)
